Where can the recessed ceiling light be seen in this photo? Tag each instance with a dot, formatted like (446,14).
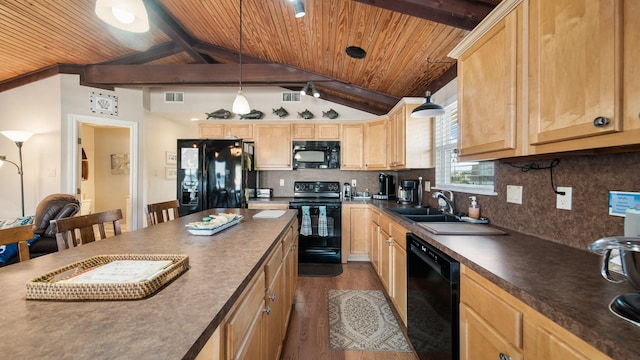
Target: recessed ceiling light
(355,52)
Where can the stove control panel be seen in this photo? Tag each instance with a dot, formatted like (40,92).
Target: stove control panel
(318,188)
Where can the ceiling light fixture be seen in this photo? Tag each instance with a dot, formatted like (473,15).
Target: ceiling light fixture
(306,87)
(298,8)
(240,104)
(304,90)
(314,91)
(127,15)
(428,109)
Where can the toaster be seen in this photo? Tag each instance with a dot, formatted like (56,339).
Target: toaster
(264,193)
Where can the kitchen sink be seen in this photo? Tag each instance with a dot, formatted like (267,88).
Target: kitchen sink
(415,211)
(432,218)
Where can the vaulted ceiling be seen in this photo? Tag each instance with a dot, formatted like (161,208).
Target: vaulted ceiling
(196,43)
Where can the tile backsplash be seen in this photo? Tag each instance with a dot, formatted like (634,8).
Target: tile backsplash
(591,179)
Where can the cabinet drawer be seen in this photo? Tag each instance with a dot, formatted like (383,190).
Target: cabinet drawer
(504,318)
(272,265)
(245,314)
(399,235)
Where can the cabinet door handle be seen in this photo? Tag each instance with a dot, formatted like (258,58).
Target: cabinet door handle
(267,310)
(601,121)
(504,357)
(272,297)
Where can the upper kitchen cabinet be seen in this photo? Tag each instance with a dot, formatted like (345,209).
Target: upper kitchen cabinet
(225,131)
(319,132)
(410,139)
(490,86)
(574,73)
(375,144)
(273,147)
(352,147)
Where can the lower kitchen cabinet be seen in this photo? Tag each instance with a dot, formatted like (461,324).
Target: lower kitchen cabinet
(374,243)
(355,238)
(496,325)
(384,267)
(398,291)
(244,329)
(275,304)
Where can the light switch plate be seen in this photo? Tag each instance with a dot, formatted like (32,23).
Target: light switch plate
(353,183)
(281,182)
(564,201)
(514,194)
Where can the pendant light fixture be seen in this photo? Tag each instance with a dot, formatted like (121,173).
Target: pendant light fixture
(240,104)
(428,109)
(127,15)
(298,8)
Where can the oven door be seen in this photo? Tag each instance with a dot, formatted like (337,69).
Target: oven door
(433,298)
(320,238)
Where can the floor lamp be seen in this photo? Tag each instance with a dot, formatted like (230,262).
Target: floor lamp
(19,137)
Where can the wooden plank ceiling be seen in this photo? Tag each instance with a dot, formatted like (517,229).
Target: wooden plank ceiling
(196,42)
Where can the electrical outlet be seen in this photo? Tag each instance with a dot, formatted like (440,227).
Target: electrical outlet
(281,182)
(514,194)
(427,186)
(563,201)
(353,183)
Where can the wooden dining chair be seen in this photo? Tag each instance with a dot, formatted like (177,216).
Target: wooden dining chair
(161,212)
(19,234)
(74,231)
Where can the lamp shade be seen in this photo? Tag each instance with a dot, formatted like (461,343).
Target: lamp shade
(127,15)
(17,136)
(240,104)
(298,8)
(427,109)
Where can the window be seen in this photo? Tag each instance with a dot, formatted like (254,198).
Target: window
(474,177)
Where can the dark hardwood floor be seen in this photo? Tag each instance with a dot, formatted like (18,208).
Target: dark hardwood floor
(308,333)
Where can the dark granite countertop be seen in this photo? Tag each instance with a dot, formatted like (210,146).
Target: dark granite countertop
(174,323)
(559,281)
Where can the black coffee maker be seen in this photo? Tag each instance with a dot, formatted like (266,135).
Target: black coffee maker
(387,187)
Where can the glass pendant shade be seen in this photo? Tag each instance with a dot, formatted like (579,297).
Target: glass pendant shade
(427,109)
(127,15)
(240,104)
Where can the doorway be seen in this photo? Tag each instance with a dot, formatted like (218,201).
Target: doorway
(107,178)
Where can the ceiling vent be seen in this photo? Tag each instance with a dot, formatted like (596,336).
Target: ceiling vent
(291,97)
(174,97)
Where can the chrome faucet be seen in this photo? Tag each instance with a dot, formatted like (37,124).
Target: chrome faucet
(448,200)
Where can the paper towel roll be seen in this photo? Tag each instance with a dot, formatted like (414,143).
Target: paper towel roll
(632,223)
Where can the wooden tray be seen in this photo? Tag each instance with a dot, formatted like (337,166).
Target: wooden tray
(50,287)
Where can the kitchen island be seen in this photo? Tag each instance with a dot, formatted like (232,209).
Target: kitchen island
(174,323)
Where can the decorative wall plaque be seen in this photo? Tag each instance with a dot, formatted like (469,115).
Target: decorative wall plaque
(104,103)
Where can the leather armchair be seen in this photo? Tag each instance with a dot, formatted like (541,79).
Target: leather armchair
(52,207)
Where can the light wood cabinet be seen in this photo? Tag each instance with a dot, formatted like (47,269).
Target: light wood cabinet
(490,91)
(225,131)
(385,265)
(273,147)
(275,304)
(316,131)
(352,147)
(376,145)
(493,322)
(355,246)
(290,255)
(374,243)
(244,328)
(572,82)
(398,292)
(410,139)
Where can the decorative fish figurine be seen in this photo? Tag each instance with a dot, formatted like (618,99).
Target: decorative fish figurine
(219,114)
(281,112)
(306,114)
(331,114)
(254,114)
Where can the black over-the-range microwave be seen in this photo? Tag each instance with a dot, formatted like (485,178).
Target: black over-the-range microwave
(316,154)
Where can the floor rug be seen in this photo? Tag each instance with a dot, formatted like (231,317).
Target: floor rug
(318,269)
(363,320)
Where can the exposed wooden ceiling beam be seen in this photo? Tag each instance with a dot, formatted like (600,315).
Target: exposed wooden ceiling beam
(462,14)
(160,18)
(155,53)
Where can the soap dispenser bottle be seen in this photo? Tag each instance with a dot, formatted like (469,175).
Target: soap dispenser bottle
(474,209)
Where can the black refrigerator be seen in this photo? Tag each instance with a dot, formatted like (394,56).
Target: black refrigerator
(214,174)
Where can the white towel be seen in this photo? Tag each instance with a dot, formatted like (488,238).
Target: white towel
(322,221)
(305,229)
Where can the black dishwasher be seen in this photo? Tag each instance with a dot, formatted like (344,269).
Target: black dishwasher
(433,297)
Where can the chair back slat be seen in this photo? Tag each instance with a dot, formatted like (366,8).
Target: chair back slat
(19,234)
(162,211)
(67,229)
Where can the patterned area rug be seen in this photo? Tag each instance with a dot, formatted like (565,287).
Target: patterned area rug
(363,320)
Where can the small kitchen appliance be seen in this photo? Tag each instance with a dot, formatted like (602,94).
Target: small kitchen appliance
(346,191)
(407,192)
(264,193)
(387,187)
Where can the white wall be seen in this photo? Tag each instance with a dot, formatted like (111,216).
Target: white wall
(88,186)
(35,107)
